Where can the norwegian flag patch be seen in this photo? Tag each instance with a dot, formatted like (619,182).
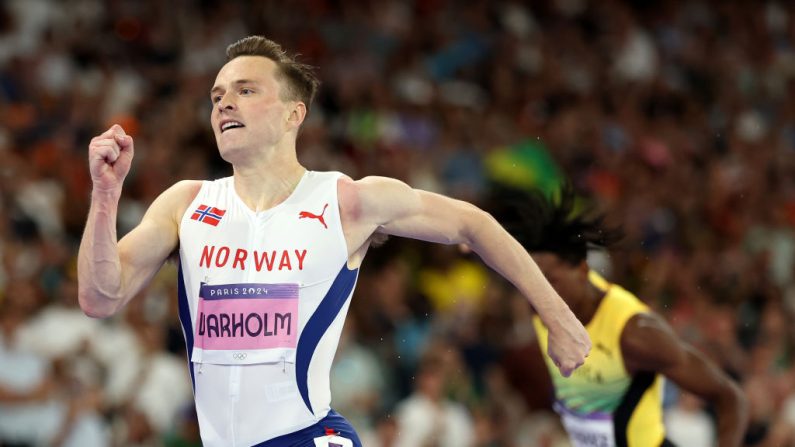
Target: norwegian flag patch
(208,214)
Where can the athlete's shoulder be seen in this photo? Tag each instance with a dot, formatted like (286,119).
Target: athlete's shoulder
(355,196)
(349,202)
(617,296)
(345,184)
(183,191)
(175,200)
(649,342)
(374,187)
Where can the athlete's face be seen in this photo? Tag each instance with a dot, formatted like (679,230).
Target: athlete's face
(248,107)
(569,280)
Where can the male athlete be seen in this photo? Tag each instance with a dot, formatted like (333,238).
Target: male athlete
(615,398)
(269,257)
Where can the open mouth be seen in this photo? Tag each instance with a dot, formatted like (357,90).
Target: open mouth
(231,125)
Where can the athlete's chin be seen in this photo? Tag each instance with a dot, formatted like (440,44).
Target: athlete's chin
(231,153)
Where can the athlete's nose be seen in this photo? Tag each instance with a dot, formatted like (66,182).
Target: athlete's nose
(225,104)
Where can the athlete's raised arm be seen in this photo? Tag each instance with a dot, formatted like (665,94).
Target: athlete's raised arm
(649,344)
(110,272)
(389,206)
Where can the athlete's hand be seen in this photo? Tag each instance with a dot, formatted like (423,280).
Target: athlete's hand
(109,157)
(568,344)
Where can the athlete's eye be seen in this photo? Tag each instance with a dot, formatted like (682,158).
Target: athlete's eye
(246,91)
(216,99)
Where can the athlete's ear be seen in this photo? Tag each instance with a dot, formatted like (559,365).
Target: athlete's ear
(297,115)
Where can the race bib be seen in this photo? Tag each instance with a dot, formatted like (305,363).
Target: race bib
(246,323)
(333,441)
(593,430)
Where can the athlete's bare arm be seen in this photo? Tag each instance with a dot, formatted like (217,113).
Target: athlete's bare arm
(384,205)
(109,271)
(649,344)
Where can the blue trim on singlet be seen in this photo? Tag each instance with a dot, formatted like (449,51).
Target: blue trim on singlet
(306,436)
(184,318)
(318,324)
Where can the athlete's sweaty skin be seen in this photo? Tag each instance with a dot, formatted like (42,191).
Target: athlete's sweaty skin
(263,156)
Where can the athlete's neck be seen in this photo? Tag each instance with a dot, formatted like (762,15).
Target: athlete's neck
(585,308)
(267,182)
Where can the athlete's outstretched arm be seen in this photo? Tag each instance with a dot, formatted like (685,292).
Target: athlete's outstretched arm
(649,344)
(110,272)
(379,204)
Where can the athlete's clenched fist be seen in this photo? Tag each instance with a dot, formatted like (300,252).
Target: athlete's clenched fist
(109,157)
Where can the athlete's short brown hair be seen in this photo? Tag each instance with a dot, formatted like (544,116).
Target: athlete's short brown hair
(301,82)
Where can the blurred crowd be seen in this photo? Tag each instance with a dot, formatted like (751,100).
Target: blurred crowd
(677,119)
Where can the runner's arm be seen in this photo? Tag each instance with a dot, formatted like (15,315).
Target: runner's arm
(111,272)
(391,207)
(649,344)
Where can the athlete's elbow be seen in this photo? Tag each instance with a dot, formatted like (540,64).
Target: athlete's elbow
(96,313)
(94,306)
(735,398)
(732,401)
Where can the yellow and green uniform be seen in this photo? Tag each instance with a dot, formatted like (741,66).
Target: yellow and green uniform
(600,403)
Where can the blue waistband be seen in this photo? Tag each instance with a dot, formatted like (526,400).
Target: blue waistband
(306,436)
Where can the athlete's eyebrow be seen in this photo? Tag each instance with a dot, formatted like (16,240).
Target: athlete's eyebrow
(238,82)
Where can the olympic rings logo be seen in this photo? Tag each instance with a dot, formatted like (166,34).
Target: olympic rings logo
(239,356)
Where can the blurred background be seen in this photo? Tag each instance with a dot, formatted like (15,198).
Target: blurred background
(676,119)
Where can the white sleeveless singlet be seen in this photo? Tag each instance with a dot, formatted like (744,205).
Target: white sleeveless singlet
(262,300)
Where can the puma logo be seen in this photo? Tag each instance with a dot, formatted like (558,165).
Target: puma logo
(315,216)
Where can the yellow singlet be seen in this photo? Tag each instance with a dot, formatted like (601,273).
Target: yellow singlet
(600,404)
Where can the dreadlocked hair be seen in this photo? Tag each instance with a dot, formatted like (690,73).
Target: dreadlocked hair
(550,224)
